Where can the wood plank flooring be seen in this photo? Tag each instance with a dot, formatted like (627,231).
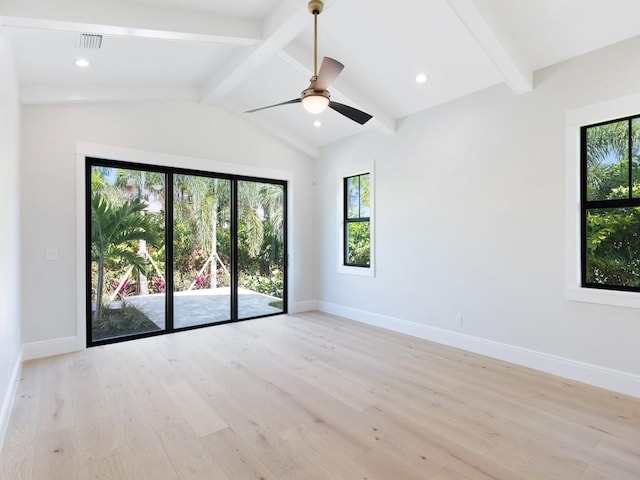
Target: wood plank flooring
(309,397)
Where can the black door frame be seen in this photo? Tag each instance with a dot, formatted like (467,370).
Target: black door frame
(169,173)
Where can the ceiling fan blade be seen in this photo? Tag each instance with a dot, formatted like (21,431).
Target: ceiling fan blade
(352,113)
(329,70)
(295,100)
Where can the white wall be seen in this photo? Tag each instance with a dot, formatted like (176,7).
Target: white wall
(470,201)
(9,230)
(49,183)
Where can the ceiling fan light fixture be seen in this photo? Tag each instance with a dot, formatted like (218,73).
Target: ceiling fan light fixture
(315,103)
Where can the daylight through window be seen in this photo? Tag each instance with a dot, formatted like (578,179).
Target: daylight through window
(357,225)
(610,162)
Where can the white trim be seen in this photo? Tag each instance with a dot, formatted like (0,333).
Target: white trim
(615,380)
(55,346)
(604,297)
(341,174)
(110,152)
(357,271)
(574,119)
(9,398)
(85,149)
(81,262)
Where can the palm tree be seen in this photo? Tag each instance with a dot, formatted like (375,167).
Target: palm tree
(149,186)
(203,203)
(207,199)
(113,227)
(250,210)
(607,159)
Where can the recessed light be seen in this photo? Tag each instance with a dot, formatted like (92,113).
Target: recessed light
(317,124)
(81,62)
(422,78)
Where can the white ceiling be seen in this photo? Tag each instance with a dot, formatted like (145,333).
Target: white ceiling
(240,55)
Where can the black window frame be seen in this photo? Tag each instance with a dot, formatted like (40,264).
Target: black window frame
(347,221)
(618,203)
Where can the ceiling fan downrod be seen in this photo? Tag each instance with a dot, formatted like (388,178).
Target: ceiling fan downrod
(315,7)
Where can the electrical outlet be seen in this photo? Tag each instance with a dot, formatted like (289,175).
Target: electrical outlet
(459,319)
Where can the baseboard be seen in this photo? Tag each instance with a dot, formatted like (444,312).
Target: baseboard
(47,348)
(7,403)
(300,307)
(610,379)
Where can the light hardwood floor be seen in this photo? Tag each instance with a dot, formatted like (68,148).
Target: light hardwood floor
(309,397)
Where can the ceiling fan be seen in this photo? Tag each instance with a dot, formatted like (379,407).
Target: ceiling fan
(316,98)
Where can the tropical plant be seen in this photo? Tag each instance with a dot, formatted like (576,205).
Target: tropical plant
(272,285)
(613,229)
(125,320)
(201,230)
(358,243)
(113,229)
(200,209)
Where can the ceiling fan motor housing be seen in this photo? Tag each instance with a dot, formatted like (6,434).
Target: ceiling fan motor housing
(315,7)
(312,91)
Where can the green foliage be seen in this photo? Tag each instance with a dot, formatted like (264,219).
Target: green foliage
(272,285)
(613,247)
(358,243)
(613,234)
(358,190)
(125,320)
(115,229)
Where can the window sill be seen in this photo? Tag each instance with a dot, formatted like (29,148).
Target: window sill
(604,297)
(358,271)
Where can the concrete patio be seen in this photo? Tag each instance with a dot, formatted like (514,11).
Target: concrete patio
(199,307)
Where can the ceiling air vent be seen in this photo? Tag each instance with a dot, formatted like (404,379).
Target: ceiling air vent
(89,40)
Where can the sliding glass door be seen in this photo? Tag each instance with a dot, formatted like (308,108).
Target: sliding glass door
(201,250)
(127,234)
(171,249)
(261,246)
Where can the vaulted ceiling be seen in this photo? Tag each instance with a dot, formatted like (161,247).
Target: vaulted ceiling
(244,54)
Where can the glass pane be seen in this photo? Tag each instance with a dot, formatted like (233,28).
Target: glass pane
(635,140)
(261,259)
(127,252)
(353,197)
(358,244)
(613,247)
(607,161)
(201,250)
(365,210)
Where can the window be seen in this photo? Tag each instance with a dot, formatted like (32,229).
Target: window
(355,219)
(357,225)
(610,200)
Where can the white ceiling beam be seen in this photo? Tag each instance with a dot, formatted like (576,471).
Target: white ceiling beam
(281,27)
(384,122)
(128,19)
(478,18)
